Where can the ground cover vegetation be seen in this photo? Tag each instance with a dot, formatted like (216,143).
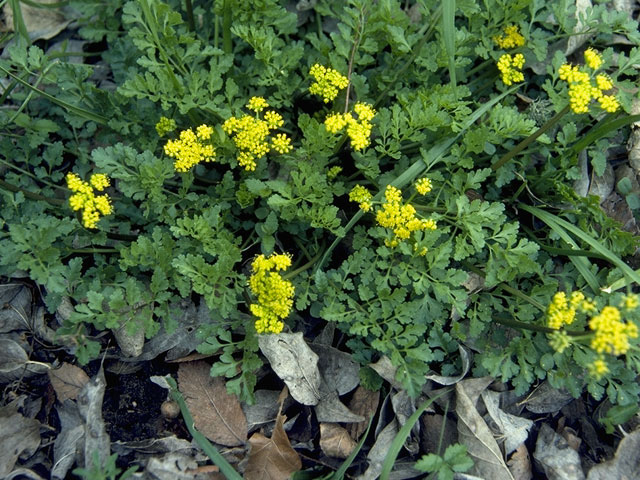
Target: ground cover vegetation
(403,171)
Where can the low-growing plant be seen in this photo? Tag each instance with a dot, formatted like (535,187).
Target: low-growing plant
(403,170)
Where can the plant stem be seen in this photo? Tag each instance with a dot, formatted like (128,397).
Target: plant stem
(190,20)
(530,139)
(304,267)
(227,46)
(33,196)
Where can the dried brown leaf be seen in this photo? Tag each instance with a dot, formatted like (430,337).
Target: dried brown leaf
(18,435)
(67,381)
(295,363)
(475,434)
(556,458)
(272,458)
(625,464)
(335,440)
(365,403)
(520,464)
(216,414)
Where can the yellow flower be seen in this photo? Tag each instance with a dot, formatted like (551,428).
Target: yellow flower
(335,122)
(630,302)
(603,82)
(274,294)
(609,103)
(592,58)
(511,68)
(598,368)
(328,82)
(250,134)
(361,195)
(611,334)
(257,104)
(559,341)
(581,88)
(165,125)
(559,312)
(281,143)
(423,186)
(400,218)
(85,199)
(333,172)
(99,181)
(511,38)
(189,150)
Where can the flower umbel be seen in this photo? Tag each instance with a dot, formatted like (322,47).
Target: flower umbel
(510,39)
(274,294)
(251,134)
(328,82)
(510,67)
(84,198)
(581,87)
(400,218)
(359,131)
(165,125)
(190,149)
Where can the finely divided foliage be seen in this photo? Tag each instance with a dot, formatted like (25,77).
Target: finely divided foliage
(360,163)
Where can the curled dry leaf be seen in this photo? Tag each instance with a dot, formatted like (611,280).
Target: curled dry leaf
(67,381)
(475,434)
(558,460)
(295,363)
(335,440)
(216,414)
(272,458)
(514,430)
(18,436)
(625,464)
(520,464)
(15,363)
(365,403)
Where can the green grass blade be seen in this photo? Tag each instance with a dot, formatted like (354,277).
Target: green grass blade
(602,130)
(18,21)
(449,36)
(588,239)
(225,467)
(402,435)
(582,263)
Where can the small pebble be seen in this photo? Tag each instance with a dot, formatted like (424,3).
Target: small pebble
(170,409)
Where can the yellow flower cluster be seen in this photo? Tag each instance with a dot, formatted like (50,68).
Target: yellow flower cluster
(361,195)
(190,149)
(85,199)
(328,82)
(423,186)
(510,39)
(165,125)
(598,368)
(562,311)
(510,67)
(612,334)
(359,131)
(581,88)
(400,218)
(333,172)
(250,134)
(275,295)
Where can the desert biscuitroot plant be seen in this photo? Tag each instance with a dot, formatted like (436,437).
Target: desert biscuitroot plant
(401,170)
